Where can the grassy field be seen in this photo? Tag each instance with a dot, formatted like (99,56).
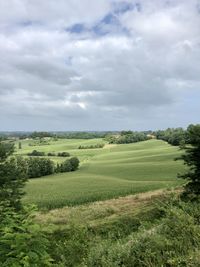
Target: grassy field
(115,170)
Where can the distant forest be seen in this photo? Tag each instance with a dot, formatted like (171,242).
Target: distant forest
(174,136)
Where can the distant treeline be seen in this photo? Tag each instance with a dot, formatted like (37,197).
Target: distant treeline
(55,135)
(126,137)
(59,154)
(82,135)
(37,167)
(174,136)
(36,153)
(91,146)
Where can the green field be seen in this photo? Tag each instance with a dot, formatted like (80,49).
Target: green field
(115,170)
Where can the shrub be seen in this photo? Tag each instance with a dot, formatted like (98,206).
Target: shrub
(75,163)
(69,246)
(38,167)
(126,137)
(50,154)
(36,153)
(172,241)
(63,154)
(68,165)
(65,166)
(22,243)
(91,146)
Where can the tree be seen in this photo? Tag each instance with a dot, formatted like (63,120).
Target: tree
(191,158)
(65,166)
(74,163)
(36,153)
(6,149)
(22,242)
(63,154)
(13,175)
(20,145)
(38,167)
(68,165)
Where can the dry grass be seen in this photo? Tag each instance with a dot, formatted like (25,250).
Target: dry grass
(100,211)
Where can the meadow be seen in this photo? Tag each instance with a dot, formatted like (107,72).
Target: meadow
(104,173)
(122,207)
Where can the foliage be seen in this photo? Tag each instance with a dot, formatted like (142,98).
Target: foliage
(192,159)
(38,167)
(126,137)
(168,243)
(59,154)
(20,145)
(35,135)
(68,165)
(69,246)
(22,243)
(51,154)
(13,176)
(6,149)
(75,163)
(91,146)
(174,136)
(82,135)
(63,154)
(36,153)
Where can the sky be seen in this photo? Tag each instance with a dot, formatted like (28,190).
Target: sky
(99,65)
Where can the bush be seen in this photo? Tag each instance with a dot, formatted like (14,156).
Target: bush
(63,154)
(126,137)
(74,163)
(91,146)
(38,167)
(169,243)
(65,166)
(69,246)
(68,165)
(22,242)
(36,153)
(174,136)
(50,154)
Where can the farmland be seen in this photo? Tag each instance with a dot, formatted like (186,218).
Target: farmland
(104,173)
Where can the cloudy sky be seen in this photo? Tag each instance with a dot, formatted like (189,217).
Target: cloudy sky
(99,65)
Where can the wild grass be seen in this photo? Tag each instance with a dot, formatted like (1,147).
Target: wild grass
(151,229)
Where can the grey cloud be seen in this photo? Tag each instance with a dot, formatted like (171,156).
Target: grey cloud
(47,70)
(93,81)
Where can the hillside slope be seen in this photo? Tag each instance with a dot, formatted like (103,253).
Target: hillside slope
(106,173)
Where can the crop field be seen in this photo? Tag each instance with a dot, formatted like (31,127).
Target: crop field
(104,173)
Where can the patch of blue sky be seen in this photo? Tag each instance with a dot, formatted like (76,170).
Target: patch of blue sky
(108,25)
(110,19)
(110,22)
(123,7)
(77,28)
